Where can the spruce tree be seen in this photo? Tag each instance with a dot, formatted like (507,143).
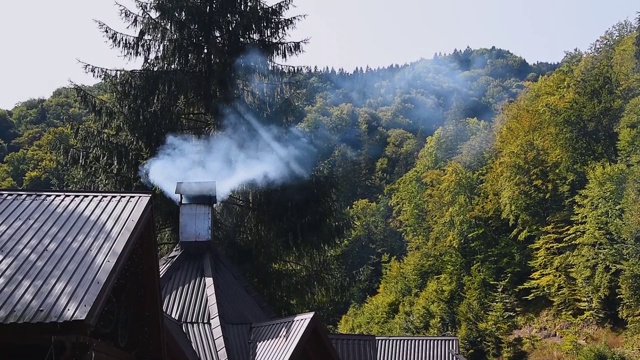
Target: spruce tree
(195,58)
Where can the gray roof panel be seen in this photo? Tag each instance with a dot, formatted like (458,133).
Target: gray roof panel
(57,251)
(201,288)
(183,294)
(202,340)
(278,339)
(237,338)
(369,347)
(238,302)
(416,348)
(175,332)
(352,347)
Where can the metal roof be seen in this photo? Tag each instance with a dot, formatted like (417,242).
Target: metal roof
(278,339)
(361,347)
(202,340)
(185,298)
(237,338)
(183,295)
(416,348)
(176,333)
(237,300)
(203,290)
(58,250)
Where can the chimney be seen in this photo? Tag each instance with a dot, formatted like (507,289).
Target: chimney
(196,210)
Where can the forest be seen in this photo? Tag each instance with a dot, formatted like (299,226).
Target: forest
(471,193)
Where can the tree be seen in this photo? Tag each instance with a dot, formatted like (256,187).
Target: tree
(368,243)
(196,56)
(7,127)
(637,42)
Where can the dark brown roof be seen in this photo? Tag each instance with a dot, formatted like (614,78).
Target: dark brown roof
(60,251)
(369,347)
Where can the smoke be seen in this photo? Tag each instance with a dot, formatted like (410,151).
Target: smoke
(236,156)
(419,98)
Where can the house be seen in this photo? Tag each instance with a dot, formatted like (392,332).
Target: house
(78,277)
(222,317)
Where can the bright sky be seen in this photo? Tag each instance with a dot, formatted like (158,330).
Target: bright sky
(41,39)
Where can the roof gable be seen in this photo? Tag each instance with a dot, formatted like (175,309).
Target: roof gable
(59,252)
(290,338)
(279,338)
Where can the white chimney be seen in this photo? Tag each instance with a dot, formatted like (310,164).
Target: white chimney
(196,211)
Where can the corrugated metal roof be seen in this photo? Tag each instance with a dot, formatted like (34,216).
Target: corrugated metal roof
(203,288)
(360,347)
(237,300)
(183,294)
(176,333)
(352,347)
(237,338)
(166,262)
(57,250)
(416,348)
(214,313)
(202,340)
(278,339)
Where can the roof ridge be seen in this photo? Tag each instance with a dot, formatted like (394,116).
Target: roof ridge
(212,304)
(392,337)
(284,319)
(76,192)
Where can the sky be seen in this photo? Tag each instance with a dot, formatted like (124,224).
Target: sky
(41,41)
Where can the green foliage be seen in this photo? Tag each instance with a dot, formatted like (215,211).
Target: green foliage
(7,127)
(538,212)
(629,133)
(3,150)
(594,352)
(6,180)
(367,246)
(41,165)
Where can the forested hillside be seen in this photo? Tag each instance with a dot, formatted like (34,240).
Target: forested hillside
(525,229)
(472,193)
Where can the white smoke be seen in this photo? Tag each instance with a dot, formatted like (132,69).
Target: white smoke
(236,156)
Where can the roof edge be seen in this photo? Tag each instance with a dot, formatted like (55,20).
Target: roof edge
(401,337)
(145,216)
(315,323)
(285,319)
(73,192)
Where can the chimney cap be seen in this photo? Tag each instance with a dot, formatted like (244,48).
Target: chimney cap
(197,192)
(196,188)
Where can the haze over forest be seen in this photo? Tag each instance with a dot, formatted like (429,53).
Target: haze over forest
(472,194)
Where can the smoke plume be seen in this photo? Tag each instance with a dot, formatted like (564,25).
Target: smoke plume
(236,156)
(419,98)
